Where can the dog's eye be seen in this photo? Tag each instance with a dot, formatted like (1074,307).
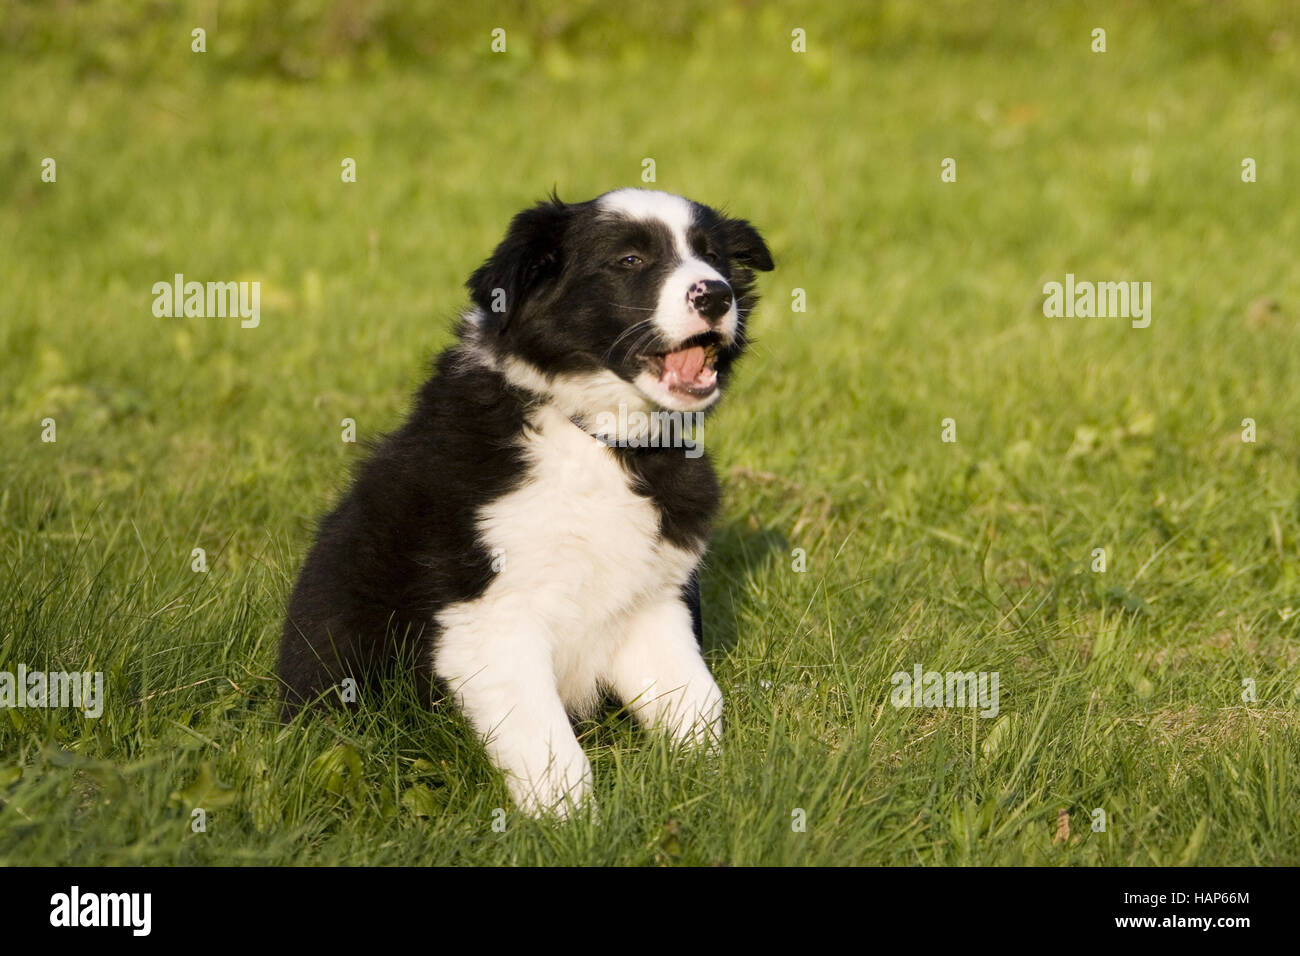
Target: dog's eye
(630,261)
(711,257)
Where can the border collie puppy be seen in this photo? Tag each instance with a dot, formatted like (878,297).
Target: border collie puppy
(531,534)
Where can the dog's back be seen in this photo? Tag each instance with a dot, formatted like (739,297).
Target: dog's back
(402,544)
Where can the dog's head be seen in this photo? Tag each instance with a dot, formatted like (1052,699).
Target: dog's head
(636,297)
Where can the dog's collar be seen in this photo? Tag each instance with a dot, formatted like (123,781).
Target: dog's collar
(614,445)
(580,423)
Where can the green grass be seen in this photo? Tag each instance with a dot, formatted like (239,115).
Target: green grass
(1119,690)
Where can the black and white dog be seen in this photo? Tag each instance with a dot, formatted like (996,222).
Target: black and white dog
(532,532)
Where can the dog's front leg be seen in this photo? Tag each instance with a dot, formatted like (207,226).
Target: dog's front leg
(504,683)
(659,674)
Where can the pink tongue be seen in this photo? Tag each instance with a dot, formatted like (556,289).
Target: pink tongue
(685,368)
(685,364)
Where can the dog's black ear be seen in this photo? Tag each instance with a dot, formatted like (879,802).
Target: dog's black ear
(746,246)
(525,260)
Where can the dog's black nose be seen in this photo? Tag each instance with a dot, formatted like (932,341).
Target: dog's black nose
(711,298)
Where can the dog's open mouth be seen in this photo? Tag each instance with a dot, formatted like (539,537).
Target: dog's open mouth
(690,368)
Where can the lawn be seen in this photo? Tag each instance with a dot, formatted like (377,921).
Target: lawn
(856,542)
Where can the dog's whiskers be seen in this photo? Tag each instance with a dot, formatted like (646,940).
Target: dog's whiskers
(634,327)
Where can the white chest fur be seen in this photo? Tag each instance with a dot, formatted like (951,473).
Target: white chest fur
(577,552)
(586,598)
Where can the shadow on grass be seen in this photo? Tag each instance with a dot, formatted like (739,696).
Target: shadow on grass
(734,559)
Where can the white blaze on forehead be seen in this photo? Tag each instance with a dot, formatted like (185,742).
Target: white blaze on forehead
(675,212)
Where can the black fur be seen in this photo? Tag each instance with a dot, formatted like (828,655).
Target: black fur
(401,544)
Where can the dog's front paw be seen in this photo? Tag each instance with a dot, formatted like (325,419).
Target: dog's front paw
(700,720)
(557,788)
